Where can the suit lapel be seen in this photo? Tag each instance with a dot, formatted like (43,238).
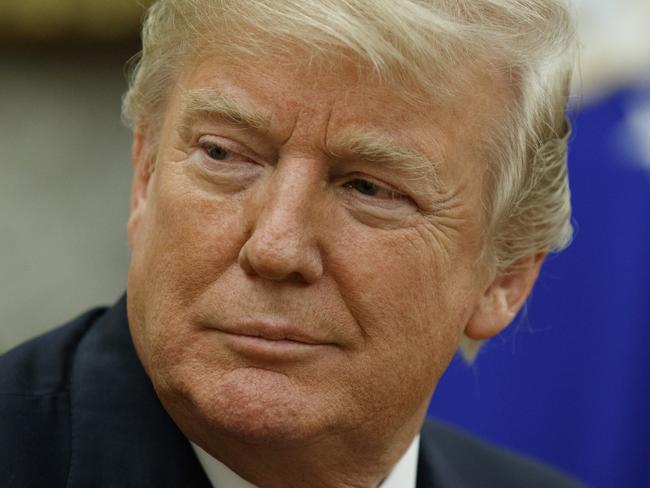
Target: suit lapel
(434,468)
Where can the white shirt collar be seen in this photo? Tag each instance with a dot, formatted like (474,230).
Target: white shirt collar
(403,474)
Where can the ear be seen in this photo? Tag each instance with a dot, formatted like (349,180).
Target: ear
(503,298)
(142,159)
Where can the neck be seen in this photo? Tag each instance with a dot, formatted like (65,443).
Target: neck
(357,459)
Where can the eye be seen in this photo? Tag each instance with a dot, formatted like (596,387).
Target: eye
(225,161)
(217,152)
(371,189)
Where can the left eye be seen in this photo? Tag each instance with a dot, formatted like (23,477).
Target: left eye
(370,189)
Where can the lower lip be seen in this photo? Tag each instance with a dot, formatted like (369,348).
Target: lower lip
(276,350)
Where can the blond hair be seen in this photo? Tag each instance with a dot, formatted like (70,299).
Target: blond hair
(424,43)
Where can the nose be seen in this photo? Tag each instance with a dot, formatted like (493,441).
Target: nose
(283,244)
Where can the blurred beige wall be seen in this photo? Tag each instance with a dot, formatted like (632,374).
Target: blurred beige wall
(64,183)
(91,19)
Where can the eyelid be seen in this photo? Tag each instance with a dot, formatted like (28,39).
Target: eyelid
(399,194)
(228,144)
(415,196)
(381,207)
(383,193)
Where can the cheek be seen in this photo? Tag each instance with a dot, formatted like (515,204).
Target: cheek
(185,241)
(411,307)
(195,238)
(406,297)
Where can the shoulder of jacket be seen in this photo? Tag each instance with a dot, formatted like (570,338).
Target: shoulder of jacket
(479,463)
(41,366)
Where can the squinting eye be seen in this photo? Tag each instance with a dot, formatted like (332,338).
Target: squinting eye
(371,189)
(217,153)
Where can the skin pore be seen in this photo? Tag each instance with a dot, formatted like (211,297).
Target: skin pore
(304,263)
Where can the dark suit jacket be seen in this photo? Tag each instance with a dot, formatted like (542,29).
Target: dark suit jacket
(77,410)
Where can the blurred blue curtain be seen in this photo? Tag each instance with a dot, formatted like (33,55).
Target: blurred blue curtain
(569,381)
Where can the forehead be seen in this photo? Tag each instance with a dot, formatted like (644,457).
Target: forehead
(286,85)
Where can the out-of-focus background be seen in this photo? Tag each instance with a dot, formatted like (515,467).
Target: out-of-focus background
(568,383)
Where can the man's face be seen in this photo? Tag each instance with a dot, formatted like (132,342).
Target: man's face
(304,252)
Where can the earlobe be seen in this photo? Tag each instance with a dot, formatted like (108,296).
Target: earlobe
(503,298)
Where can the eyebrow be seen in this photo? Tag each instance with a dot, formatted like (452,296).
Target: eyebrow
(349,145)
(209,104)
(369,147)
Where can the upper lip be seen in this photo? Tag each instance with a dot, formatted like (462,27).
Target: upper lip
(272,332)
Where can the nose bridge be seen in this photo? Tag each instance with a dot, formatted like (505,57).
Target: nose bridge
(286,206)
(283,242)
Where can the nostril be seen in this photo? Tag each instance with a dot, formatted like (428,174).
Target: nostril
(244,262)
(296,277)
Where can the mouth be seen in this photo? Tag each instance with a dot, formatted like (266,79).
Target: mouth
(273,342)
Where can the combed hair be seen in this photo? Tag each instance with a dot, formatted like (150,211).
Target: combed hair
(422,43)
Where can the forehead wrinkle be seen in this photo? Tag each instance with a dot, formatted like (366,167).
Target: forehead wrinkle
(368,147)
(327,126)
(220,106)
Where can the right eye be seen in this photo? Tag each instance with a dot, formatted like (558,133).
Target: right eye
(218,152)
(226,163)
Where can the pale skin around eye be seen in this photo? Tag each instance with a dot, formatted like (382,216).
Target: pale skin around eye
(218,155)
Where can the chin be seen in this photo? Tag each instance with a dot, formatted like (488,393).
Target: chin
(251,405)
